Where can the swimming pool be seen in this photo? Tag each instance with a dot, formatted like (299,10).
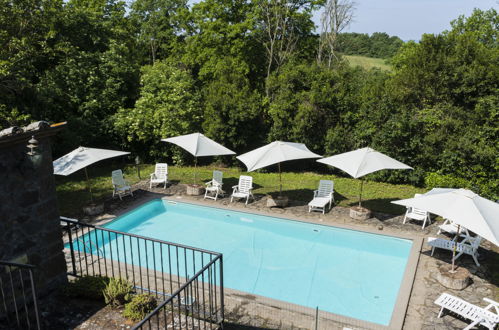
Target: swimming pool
(346,272)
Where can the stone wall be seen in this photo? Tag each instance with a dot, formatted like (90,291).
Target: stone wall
(29,215)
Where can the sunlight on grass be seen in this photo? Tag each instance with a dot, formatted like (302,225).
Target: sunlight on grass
(376,196)
(367,62)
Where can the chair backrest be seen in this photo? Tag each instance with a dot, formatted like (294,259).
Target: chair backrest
(218,178)
(475,242)
(245,183)
(326,187)
(416,210)
(161,170)
(117,177)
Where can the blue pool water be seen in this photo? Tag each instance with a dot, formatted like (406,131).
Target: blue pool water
(346,272)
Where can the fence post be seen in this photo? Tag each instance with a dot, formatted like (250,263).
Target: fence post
(73,262)
(222,289)
(316,317)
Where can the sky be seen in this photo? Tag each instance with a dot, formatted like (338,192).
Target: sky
(409,19)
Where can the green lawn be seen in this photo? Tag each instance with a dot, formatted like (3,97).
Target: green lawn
(367,62)
(376,196)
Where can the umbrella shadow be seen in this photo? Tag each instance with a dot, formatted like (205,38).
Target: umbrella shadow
(489,263)
(383,205)
(301,197)
(230,182)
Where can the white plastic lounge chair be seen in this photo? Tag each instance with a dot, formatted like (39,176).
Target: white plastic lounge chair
(417,214)
(121,187)
(322,196)
(160,175)
(214,187)
(468,246)
(243,189)
(488,316)
(449,227)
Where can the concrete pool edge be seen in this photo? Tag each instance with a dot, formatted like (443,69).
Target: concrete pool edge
(404,293)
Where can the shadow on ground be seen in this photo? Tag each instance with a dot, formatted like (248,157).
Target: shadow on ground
(385,204)
(488,259)
(233,326)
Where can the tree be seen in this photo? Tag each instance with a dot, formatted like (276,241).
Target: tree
(337,15)
(168,106)
(282,23)
(232,112)
(161,25)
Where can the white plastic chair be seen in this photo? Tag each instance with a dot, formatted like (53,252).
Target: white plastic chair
(468,246)
(450,227)
(214,187)
(120,186)
(488,316)
(322,196)
(160,175)
(417,214)
(243,189)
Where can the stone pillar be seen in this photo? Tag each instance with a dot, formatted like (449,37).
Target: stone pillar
(29,214)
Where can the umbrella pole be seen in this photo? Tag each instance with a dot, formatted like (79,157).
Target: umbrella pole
(195,168)
(88,186)
(280,179)
(452,270)
(360,194)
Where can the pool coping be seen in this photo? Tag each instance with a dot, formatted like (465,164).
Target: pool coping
(404,294)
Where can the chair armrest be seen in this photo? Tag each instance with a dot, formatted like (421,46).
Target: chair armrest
(491,302)
(209,183)
(234,187)
(153,175)
(316,192)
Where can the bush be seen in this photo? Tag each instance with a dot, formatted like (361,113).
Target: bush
(139,307)
(90,287)
(118,292)
(433,180)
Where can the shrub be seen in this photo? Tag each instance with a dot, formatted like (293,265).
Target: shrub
(139,307)
(90,287)
(118,292)
(433,180)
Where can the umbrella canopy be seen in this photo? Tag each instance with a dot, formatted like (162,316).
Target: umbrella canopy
(275,152)
(81,157)
(463,207)
(199,145)
(363,161)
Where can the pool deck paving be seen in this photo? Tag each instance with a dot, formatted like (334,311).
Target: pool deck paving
(421,312)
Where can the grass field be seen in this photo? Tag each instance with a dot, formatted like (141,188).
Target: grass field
(367,62)
(72,193)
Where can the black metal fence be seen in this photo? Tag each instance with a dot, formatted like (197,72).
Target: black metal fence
(187,281)
(19,307)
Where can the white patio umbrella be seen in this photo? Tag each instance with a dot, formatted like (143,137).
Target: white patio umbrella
(463,207)
(363,161)
(275,152)
(82,157)
(199,145)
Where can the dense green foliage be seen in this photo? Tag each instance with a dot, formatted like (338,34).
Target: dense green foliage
(379,45)
(118,292)
(90,287)
(139,307)
(126,77)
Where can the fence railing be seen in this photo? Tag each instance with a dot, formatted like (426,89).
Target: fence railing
(19,306)
(187,281)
